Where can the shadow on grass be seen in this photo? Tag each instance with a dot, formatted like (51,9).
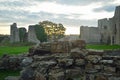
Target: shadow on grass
(5,73)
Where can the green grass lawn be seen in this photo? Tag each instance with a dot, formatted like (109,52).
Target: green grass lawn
(102,47)
(13,49)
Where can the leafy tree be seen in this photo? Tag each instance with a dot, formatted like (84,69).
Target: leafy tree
(40,32)
(22,33)
(53,30)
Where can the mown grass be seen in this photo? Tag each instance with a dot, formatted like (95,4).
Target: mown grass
(102,47)
(5,73)
(10,50)
(13,49)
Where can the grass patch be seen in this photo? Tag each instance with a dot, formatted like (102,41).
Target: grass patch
(5,73)
(102,47)
(13,49)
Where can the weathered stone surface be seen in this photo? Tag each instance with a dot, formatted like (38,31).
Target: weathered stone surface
(4,62)
(109,69)
(101,77)
(78,44)
(114,78)
(66,46)
(98,67)
(12,78)
(107,32)
(23,34)
(78,53)
(93,58)
(14,63)
(65,62)
(106,61)
(31,35)
(72,73)
(89,66)
(58,76)
(60,47)
(80,62)
(90,34)
(26,61)
(27,74)
(14,34)
(39,76)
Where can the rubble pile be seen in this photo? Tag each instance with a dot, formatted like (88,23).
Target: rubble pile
(77,64)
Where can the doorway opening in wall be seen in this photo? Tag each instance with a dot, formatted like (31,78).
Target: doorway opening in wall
(113,40)
(115,32)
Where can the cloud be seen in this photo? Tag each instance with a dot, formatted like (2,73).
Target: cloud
(108,8)
(76,2)
(55,8)
(71,13)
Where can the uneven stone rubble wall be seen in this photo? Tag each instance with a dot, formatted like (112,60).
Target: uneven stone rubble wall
(82,65)
(79,63)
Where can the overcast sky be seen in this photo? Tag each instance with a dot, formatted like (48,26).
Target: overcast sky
(71,13)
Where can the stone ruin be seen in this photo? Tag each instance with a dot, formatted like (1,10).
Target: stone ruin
(32,37)
(21,34)
(52,61)
(52,30)
(4,38)
(107,32)
(14,37)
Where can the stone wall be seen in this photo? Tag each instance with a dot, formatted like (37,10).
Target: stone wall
(14,37)
(32,35)
(78,64)
(43,31)
(17,34)
(104,28)
(110,28)
(107,32)
(90,34)
(69,38)
(23,34)
(115,27)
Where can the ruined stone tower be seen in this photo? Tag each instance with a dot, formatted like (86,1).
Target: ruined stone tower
(109,30)
(104,28)
(23,34)
(14,33)
(116,25)
(31,35)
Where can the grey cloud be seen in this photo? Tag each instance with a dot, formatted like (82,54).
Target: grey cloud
(27,17)
(75,2)
(81,2)
(108,8)
(73,22)
(14,3)
(14,14)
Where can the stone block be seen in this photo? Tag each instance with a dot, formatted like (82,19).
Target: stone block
(12,78)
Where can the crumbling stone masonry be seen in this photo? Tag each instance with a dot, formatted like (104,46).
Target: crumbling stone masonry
(32,35)
(17,34)
(90,34)
(14,37)
(77,64)
(108,30)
